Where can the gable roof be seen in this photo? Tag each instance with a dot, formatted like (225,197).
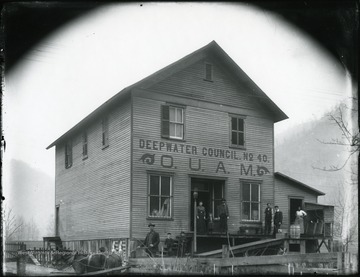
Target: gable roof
(211,49)
(297,183)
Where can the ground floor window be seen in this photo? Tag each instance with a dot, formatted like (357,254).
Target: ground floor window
(250,204)
(160,196)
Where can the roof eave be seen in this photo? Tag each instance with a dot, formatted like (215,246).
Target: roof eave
(318,192)
(116,98)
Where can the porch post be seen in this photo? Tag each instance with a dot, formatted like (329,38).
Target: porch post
(195,194)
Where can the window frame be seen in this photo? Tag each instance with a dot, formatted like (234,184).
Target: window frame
(85,143)
(243,118)
(251,182)
(208,72)
(166,122)
(68,154)
(105,132)
(171,205)
(213,199)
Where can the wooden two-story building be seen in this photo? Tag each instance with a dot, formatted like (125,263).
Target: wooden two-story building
(200,124)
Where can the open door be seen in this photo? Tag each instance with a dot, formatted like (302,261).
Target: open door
(210,192)
(294,204)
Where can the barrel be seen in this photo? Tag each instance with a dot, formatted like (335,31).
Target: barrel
(295,231)
(292,231)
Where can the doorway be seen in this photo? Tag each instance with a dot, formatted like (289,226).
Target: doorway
(210,192)
(294,204)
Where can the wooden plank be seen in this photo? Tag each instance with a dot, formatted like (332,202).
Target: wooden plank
(245,246)
(245,261)
(111,270)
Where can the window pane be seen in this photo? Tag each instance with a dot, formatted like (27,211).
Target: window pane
(233,123)
(165,206)
(218,192)
(240,124)
(154,206)
(179,130)
(217,203)
(241,139)
(246,192)
(245,210)
(254,211)
(165,185)
(172,129)
(172,114)
(234,138)
(179,115)
(254,192)
(154,185)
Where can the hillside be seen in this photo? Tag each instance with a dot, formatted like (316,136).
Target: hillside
(301,149)
(29,193)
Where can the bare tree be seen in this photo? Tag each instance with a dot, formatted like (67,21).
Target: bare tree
(345,118)
(11,224)
(346,217)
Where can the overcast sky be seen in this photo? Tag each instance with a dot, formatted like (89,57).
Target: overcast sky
(73,71)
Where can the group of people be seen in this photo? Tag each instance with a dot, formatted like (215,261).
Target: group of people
(278,219)
(201,218)
(277,216)
(152,240)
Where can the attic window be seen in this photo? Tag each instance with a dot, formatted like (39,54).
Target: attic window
(68,154)
(208,72)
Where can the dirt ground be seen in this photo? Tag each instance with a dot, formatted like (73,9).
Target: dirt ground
(32,270)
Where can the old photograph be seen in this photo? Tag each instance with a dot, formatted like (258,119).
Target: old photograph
(185,138)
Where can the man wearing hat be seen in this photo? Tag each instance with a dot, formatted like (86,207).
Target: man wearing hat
(152,241)
(223,212)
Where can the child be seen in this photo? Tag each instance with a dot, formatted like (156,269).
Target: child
(210,223)
(169,242)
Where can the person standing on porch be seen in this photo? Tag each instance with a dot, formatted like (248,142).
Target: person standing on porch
(268,218)
(278,218)
(299,220)
(223,212)
(200,218)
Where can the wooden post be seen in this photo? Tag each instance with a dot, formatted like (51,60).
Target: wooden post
(225,251)
(21,261)
(302,247)
(339,262)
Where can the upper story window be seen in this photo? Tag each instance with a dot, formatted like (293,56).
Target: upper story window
(68,154)
(208,72)
(160,196)
(250,206)
(237,131)
(172,123)
(105,131)
(85,144)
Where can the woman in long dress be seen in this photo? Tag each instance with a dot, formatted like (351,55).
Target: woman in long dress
(201,219)
(299,220)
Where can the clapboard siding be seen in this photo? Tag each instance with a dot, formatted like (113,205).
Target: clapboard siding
(203,128)
(283,191)
(222,90)
(95,192)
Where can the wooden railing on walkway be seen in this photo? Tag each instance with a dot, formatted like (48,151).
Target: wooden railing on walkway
(335,263)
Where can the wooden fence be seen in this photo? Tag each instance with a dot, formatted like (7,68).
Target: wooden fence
(12,250)
(333,263)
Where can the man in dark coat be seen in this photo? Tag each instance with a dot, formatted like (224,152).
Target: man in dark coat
(182,245)
(268,218)
(223,212)
(169,242)
(278,218)
(152,241)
